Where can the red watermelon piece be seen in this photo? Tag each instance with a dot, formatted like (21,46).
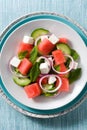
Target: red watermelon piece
(25,47)
(32,90)
(59,57)
(45,47)
(65,85)
(63,69)
(63,40)
(24,66)
(44,81)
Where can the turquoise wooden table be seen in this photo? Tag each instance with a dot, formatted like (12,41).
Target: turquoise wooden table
(10,10)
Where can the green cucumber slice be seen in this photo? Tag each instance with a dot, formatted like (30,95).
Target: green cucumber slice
(49,86)
(21,81)
(64,47)
(38,32)
(50,94)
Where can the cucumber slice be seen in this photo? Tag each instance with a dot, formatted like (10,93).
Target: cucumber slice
(64,47)
(39,41)
(38,32)
(21,81)
(49,86)
(50,94)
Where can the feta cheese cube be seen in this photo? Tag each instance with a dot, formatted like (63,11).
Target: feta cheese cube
(15,61)
(44,68)
(28,40)
(75,65)
(43,37)
(53,39)
(51,80)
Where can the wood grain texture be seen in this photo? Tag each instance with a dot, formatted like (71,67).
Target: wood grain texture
(9,11)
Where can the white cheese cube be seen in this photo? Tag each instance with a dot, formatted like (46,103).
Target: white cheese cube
(53,39)
(75,65)
(15,61)
(43,37)
(51,80)
(44,68)
(28,40)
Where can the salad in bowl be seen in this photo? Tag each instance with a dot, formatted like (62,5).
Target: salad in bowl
(45,64)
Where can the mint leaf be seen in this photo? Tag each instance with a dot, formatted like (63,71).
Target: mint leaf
(33,54)
(34,72)
(67,62)
(57,67)
(22,54)
(74,54)
(74,75)
(16,70)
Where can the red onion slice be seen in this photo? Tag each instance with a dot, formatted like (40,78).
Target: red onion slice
(42,57)
(37,40)
(46,59)
(56,88)
(71,66)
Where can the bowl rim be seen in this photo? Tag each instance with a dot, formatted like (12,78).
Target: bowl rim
(9,101)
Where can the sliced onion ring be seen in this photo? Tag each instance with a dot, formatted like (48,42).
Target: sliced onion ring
(46,59)
(37,40)
(56,88)
(71,67)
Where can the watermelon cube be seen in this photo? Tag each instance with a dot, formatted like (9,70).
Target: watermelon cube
(63,40)
(24,66)
(63,69)
(45,47)
(25,47)
(59,57)
(65,85)
(32,90)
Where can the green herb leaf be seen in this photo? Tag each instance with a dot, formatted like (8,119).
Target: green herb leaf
(22,54)
(34,72)
(67,62)
(33,54)
(74,75)
(57,67)
(74,54)
(16,70)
